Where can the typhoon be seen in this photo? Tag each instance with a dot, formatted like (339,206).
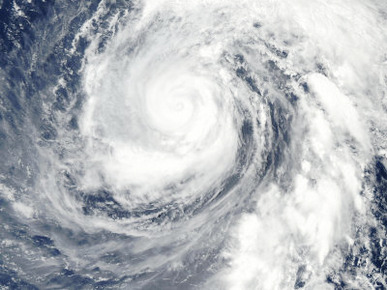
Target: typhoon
(172,144)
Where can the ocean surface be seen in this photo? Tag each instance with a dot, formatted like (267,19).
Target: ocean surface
(173,144)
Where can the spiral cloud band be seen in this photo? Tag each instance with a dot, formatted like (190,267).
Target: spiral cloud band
(195,145)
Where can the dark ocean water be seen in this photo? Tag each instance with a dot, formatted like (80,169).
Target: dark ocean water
(178,145)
